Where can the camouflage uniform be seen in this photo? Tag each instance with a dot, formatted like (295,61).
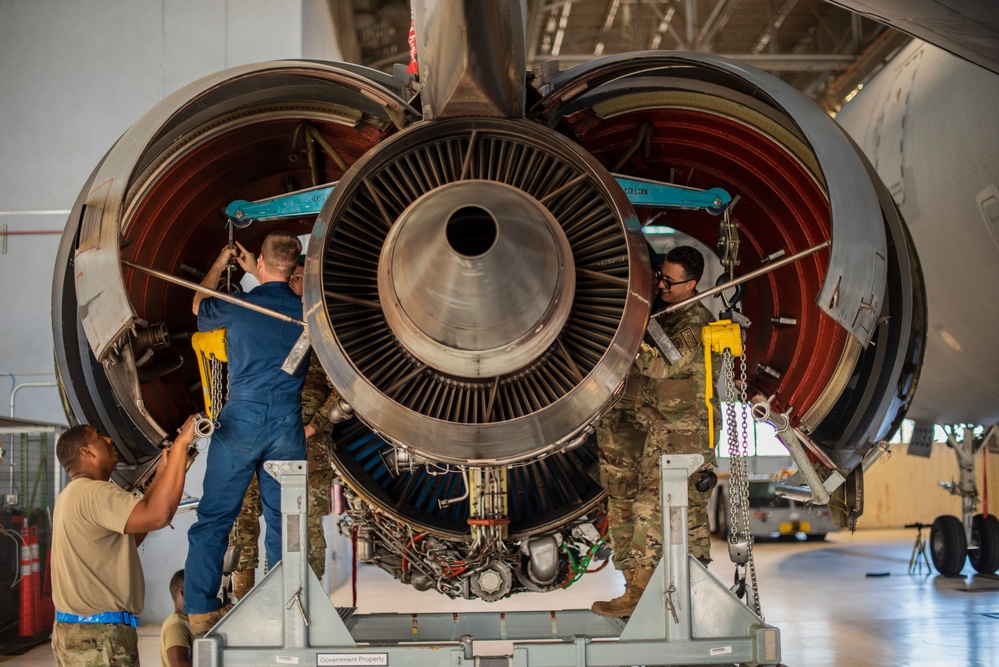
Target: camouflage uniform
(95,644)
(246,530)
(662,411)
(317,399)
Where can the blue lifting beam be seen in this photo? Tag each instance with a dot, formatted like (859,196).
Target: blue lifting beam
(640,192)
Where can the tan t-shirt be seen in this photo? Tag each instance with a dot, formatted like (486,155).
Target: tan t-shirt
(95,565)
(176,631)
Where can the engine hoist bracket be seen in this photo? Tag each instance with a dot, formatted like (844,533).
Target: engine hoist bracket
(685,616)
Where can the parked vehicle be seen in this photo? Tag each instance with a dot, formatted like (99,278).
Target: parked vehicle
(770,515)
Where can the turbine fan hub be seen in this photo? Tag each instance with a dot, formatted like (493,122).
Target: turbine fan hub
(476,279)
(477,290)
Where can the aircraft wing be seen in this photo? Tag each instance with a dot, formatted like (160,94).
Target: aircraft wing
(966,28)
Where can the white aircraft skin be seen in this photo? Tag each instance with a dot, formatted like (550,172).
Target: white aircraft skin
(927,122)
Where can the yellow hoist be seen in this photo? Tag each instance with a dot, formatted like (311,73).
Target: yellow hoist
(718,337)
(210,350)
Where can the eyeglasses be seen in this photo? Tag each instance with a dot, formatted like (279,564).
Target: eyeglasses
(660,278)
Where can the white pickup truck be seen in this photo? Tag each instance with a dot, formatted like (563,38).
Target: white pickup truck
(770,516)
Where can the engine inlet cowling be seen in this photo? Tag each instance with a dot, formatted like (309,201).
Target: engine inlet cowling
(479,289)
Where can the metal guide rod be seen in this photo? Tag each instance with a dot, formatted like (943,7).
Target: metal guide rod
(782,424)
(741,279)
(215,293)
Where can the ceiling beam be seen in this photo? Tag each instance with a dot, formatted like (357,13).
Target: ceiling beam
(770,34)
(665,26)
(719,16)
(609,17)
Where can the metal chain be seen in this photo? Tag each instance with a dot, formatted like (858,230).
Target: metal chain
(738,467)
(215,390)
(738,449)
(728,243)
(744,432)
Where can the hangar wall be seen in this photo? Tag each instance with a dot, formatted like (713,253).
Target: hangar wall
(74,76)
(905,489)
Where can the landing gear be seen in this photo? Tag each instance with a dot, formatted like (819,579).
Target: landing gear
(985,531)
(948,545)
(973,535)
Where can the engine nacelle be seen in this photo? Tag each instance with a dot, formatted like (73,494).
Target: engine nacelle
(477,285)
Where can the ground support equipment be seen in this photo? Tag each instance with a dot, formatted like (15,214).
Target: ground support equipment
(685,616)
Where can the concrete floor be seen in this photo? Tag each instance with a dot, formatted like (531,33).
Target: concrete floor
(848,601)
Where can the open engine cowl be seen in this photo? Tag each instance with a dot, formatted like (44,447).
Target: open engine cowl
(477,284)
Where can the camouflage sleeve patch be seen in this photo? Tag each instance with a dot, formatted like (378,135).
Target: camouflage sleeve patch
(689,339)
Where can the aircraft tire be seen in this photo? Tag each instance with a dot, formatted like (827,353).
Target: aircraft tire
(985,559)
(948,546)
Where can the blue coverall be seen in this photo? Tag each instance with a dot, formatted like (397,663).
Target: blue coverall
(261,421)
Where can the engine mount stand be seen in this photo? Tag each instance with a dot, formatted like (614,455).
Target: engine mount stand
(686,616)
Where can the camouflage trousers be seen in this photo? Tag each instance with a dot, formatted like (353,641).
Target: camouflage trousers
(95,645)
(629,472)
(246,530)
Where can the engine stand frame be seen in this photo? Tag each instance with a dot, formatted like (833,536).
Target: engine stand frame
(686,616)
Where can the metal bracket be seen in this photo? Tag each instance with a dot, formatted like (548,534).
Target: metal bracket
(663,342)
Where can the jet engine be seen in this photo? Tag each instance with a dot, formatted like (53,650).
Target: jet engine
(477,282)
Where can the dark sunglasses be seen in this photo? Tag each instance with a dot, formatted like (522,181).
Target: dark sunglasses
(660,278)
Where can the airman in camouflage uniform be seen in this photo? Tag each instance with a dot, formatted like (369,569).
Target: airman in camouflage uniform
(96,644)
(317,400)
(661,411)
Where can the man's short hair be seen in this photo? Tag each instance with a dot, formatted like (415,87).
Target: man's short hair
(280,252)
(177,584)
(69,445)
(690,258)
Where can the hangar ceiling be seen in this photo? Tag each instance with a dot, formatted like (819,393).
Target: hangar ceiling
(819,48)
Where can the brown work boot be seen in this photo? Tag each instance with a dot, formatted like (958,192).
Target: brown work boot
(242,582)
(625,604)
(202,623)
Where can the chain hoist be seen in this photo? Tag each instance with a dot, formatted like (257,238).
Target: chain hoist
(210,351)
(740,540)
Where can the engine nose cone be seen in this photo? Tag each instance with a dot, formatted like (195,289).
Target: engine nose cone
(476,278)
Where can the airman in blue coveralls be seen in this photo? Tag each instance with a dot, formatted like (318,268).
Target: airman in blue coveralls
(261,420)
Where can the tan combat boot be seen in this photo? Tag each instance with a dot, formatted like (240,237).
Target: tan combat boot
(625,604)
(202,623)
(242,582)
